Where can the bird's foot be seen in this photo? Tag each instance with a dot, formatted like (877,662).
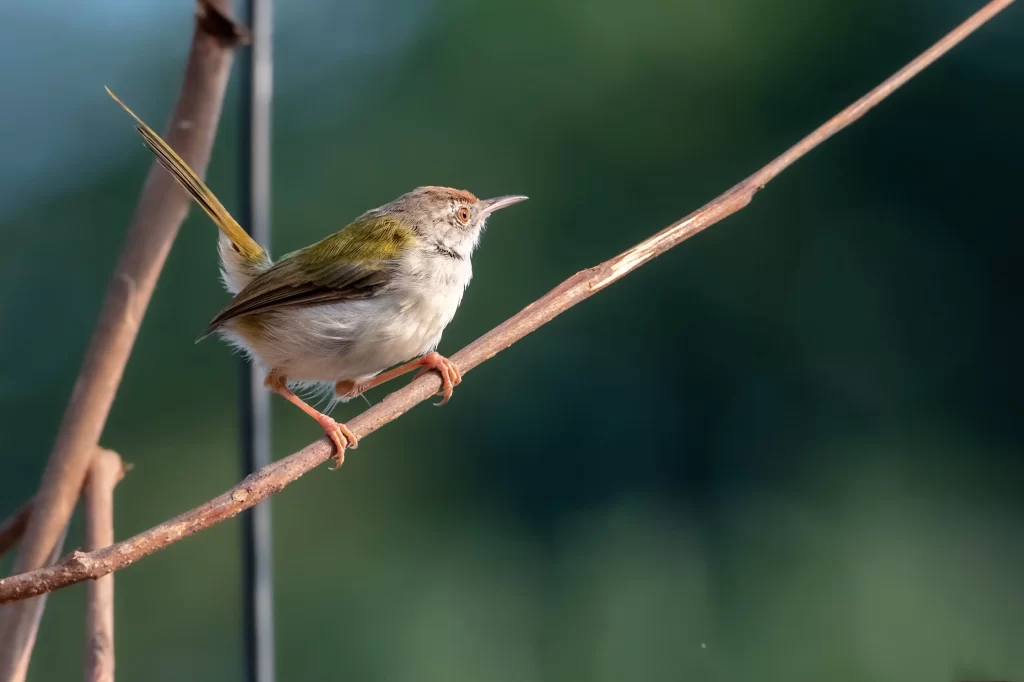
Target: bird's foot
(450,377)
(450,374)
(340,435)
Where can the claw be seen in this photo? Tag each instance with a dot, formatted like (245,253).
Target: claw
(341,436)
(450,374)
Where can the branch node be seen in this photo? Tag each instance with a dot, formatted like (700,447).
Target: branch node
(228,32)
(78,559)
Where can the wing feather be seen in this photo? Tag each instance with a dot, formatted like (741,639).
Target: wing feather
(356,263)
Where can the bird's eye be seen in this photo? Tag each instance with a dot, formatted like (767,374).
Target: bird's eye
(462,214)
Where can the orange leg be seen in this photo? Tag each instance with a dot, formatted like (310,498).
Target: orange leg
(338,434)
(450,376)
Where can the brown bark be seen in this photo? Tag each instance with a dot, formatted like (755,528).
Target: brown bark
(98,498)
(30,625)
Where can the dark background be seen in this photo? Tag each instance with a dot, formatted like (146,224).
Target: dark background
(789,449)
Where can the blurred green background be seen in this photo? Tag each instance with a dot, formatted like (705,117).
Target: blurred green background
(789,449)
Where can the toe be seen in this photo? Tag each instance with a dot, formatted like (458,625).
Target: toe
(340,436)
(449,379)
(450,376)
(338,458)
(446,391)
(350,437)
(339,449)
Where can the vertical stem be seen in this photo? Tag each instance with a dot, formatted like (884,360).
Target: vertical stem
(257,81)
(98,499)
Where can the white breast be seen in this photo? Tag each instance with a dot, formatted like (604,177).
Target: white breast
(355,340)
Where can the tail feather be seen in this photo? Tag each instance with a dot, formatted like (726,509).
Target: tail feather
(248,257)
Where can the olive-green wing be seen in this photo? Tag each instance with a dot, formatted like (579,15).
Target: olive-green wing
(355,263)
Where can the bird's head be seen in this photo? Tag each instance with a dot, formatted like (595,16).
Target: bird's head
(451,218)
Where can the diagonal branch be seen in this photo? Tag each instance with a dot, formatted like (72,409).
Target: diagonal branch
(162,208)
(270,479)
(28,627)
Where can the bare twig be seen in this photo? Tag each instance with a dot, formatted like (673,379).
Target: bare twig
(98,499)
(160,212)
(270,479)
(13,528)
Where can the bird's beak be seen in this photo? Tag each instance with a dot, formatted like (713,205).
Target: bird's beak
(488,206)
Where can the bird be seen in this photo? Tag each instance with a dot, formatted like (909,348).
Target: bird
(360,307)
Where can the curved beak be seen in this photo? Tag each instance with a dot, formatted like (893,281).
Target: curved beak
(488,206)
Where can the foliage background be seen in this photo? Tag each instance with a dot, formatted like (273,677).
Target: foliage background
(790,449)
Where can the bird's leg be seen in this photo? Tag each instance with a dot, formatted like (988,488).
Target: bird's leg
(339,434)
(450,376)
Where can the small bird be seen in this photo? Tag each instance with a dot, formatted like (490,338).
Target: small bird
(373,295)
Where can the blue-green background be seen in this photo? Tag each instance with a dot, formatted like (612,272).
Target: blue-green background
(791,449)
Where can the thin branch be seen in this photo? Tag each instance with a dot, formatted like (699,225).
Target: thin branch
(160,212)
(270,479)
(98,499)
(13,528)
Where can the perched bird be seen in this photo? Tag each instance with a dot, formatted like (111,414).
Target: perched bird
(373,295)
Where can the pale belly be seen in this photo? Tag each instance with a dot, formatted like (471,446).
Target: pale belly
(351,340)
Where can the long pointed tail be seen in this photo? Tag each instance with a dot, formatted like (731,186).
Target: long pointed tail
(245,257)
